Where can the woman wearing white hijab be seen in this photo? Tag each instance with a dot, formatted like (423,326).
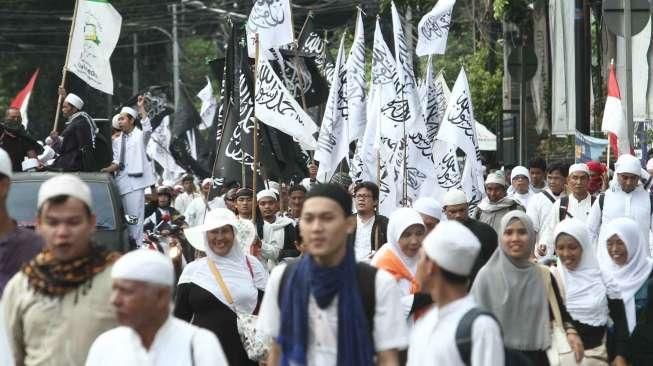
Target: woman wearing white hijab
(624,256)
(590,298)
(201,298)
(513,289)
(400,255)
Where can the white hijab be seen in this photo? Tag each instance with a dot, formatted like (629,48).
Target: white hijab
(399,221)
(586,290)
(243,285)
(631,276)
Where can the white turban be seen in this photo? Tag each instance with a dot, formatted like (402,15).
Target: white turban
(74,100)
(144,265)
(453,247)
(580,167)
(454,197)
(130,111)
(266,193)
(519,170)
(628,164)
(428,206)
(65,184)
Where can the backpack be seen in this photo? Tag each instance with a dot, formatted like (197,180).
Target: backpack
(366,276)
(464,340)
(564,207)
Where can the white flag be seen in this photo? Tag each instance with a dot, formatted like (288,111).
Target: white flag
(94,36)
(158,149)
(209,105)
(272,20)
(434,94)
(276,107)
(458,129)
(433,29)
(402,53)
(333,142)
(356,82)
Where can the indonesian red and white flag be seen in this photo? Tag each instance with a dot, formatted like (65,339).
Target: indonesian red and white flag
(22,99)
(614,120)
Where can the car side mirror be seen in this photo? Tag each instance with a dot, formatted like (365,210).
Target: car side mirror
(131,219)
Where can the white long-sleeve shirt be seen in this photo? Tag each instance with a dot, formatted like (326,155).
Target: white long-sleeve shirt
(538,208)
(575,208)
(433,340)
(617,203)
(175,343)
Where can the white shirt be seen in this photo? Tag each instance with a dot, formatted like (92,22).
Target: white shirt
(538,208)
(433,340)
(363,244)
(618,203)
(196,210)
(138,172)
(173,345)
(522,198)
(183,200)
(576,209)
(390,326)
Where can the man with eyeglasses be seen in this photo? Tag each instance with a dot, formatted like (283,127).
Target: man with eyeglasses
(520,189)
(371,228)
(627,198)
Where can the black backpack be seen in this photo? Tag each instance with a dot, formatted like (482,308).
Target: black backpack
(366,276)
(563,210)
(464,340)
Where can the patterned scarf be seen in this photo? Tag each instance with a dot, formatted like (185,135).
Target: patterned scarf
(51,277)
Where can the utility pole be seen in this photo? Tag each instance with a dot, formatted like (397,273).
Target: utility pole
(175,55)
(135,64)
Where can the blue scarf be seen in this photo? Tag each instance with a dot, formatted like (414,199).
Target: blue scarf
(354,342)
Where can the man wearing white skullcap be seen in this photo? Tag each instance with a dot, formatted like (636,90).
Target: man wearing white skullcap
(575,205)
(444,269)
(626,198)
(520,189)
(496,203)
(59,302)
(80,131)
(149,335)
(277,232)
(131,167)
(430,210)
(456,208)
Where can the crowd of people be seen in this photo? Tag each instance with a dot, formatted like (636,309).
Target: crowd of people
(553,267)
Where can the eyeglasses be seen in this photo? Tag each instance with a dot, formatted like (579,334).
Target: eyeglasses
(363,196)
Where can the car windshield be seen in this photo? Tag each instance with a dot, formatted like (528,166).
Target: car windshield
(21,203)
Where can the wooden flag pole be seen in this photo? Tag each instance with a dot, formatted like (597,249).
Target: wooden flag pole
(64,71)
(255,134)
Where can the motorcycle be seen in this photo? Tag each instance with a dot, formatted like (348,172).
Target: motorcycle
(168,238)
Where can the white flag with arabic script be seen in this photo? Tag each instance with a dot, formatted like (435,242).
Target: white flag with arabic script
(433,29)
(272,20)
(356,96)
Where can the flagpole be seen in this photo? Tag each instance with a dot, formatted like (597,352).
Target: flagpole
(255,134)
(64,71)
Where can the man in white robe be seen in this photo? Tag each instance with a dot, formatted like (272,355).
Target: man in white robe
(575,205)
(133,171)
(149,335)
(627,198)
(448,255)
(520,186)
(541,203)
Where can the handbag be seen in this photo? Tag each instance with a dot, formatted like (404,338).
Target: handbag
(253,343)
(560,352)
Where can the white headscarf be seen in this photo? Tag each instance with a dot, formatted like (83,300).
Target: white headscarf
(233,266)
(631,276)
(586,291)
(399,221)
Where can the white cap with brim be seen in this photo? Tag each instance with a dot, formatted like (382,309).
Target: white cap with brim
(5,163)
(130,111)
(628,164)
(454,197)
(428,206)
(145,265)
(266,193)
(74,101)
(216,218)
(453,247)
(519,170)
(65,185)
(579,168)
(496,178)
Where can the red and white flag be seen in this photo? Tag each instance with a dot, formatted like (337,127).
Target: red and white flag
(614,120)
(22,99)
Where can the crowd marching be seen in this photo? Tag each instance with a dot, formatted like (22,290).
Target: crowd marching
(552,267)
